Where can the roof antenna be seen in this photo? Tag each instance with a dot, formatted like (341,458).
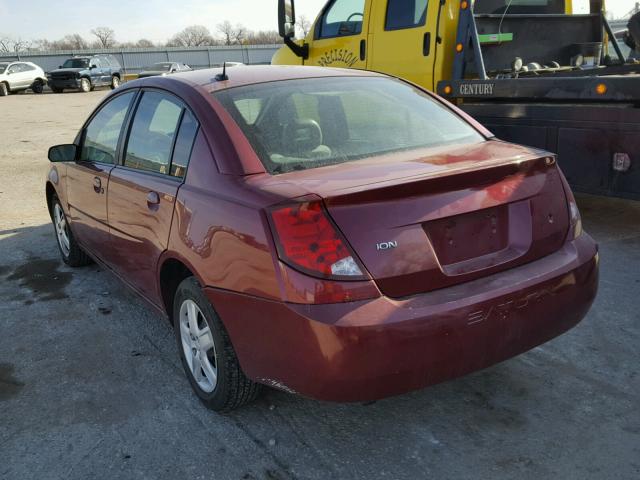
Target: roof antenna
(222,76)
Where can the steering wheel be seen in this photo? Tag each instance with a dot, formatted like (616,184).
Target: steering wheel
(356,14)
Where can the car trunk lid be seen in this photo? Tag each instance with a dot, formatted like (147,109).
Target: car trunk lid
(446,216)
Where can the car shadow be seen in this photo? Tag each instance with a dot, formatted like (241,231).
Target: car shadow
(515,417)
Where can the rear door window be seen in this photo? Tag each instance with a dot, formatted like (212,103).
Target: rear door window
(405,14)
(103,131)
(153,132)
(184,145)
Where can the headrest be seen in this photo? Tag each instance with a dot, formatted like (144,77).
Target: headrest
(300,137)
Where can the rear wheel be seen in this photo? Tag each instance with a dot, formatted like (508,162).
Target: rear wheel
(70,251)
(115,82)
(85,85)
(207,355)
(4,89)
(38,86)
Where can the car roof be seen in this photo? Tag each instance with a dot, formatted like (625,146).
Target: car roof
(254,74)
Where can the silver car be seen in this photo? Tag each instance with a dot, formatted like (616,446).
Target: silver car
(17,76)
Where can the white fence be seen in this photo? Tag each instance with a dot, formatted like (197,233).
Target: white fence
(135,59)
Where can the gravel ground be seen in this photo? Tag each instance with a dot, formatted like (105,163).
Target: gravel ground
(91,385)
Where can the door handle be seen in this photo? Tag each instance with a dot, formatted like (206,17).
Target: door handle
(97,185)
(363,49)
(426,44)
(153,199)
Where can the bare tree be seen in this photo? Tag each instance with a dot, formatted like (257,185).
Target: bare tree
(232,34)
(261,37)
(12,45)
(145,43)
(6,44)
(303,24)
(193,36)
(106,37)
(74,42)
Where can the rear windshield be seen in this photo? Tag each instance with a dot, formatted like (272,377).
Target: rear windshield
(76,63)
(302,124)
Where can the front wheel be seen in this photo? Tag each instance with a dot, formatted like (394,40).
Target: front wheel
(85,85)
(70,251)
(207,355)
(115,82)
(38,86)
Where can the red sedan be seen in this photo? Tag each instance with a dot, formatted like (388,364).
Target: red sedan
(336,233)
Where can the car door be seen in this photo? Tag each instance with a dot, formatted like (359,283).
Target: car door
(402,39)
(95,72)
(14,77)
(105,71)
(340,37)
(88,177)
(142,191)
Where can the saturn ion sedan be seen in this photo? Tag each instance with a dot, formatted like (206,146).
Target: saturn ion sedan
(339,234)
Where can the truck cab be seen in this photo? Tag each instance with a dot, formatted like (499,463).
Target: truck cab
(411,39)
(398,37)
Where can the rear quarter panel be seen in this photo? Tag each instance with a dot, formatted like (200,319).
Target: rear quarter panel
(219,232)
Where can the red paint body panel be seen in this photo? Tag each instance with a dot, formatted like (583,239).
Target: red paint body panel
(484,266)
(372,349)
(87,203)
(139,230)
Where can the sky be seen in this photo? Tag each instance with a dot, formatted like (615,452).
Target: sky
(156,20)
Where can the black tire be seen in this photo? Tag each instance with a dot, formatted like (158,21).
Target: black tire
(75,256)
(115,82)
(85,85)
(4,89)
(38,86)
(56,90)
(233,389)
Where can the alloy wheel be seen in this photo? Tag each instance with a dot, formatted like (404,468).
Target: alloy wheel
(198,346)
(62,231)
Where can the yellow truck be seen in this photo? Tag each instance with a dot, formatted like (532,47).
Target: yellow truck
(533,71)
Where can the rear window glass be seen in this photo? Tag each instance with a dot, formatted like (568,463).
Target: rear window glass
(302,124)
(405,14)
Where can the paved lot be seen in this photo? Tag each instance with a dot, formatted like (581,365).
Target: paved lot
(91,385)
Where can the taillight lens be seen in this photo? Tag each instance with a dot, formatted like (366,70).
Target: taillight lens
(308,240)
(574,219)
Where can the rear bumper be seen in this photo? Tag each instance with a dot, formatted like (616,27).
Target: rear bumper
(372,349)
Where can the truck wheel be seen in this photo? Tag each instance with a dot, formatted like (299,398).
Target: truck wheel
(207,355)
(4,90)
(70,251)
(38,86)
(115,82)
(85,85)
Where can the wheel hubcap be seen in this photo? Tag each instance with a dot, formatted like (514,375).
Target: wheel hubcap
(197,344)
(60,222)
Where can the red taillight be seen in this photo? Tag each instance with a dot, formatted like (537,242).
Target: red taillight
(307,240)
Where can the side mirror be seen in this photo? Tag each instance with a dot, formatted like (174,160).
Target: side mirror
(287,28)
(286,18)
(91,67)
(63,153)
